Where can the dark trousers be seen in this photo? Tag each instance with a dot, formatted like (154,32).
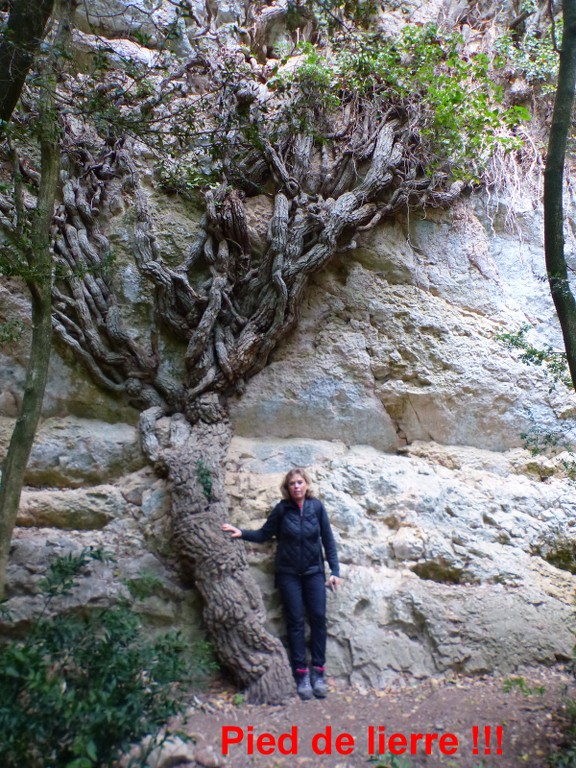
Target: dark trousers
(304,597)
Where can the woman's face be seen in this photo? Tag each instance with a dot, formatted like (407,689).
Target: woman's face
(297,488)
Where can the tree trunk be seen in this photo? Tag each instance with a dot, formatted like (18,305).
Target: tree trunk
(230,304)
(39,281)
(21,40)
(193,457)
(553,188)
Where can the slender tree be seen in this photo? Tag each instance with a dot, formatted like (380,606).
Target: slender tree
(21,38)
(30,243)
(556,266)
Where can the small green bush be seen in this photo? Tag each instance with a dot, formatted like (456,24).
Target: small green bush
(79,689)
(534,56)
(554,363)
(558,547)
(10,331)
(565,757)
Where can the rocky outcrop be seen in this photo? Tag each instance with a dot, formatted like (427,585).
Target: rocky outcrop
(399,342)
(394,390)
(441,549)
(69,452)
(397,394)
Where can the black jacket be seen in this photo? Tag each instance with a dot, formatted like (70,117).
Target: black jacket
(301,535)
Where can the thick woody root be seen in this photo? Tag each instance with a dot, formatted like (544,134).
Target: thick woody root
(234,614)
(229,305)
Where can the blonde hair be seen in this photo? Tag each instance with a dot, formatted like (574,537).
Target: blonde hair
(289,475)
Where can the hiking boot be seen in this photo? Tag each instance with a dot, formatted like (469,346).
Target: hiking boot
(303,686)
(319,687)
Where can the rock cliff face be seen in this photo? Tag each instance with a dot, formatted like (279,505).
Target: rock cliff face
(413,413)
(409,412)
(397,395)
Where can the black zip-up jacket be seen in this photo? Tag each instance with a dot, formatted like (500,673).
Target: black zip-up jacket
(300,535)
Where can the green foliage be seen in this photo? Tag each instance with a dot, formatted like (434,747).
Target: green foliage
(79,689)
(391,761)
(184,179)
(558,547)
(520,684)
(10,331)
(541,442)
(63,573)
(533,57)
(204,478)
(557,443)
(537,440)
(565,757)
(554,363)
(453,99)
(146,585)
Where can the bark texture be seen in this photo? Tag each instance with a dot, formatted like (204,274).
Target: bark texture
(192,456)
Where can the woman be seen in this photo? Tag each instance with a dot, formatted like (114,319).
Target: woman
(302,529)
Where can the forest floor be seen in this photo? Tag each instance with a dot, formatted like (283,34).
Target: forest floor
(487,722)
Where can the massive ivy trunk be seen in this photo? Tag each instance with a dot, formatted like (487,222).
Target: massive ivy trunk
(556,266)
(328,173)
(229,303)
(193,458)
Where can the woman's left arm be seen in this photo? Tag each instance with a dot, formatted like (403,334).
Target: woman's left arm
(329,544)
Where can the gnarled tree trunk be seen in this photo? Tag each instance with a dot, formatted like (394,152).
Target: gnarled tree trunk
(229,305)
(193,456)
(228,302)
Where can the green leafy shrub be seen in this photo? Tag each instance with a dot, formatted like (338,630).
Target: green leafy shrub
(565,757)
(79,689)
(10,331)
(537,440)
(533,56)
(554,363)
(453,98)
(558,547)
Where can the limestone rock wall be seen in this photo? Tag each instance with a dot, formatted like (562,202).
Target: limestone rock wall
(438,546)
(398,341)
(414,413)
(397,394)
